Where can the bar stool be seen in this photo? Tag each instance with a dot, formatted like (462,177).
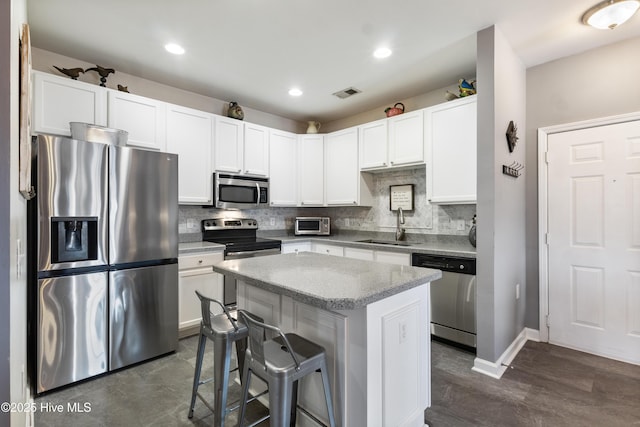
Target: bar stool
(223,330)
(281,362)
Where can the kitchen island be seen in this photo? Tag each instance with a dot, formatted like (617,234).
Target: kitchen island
(372,319)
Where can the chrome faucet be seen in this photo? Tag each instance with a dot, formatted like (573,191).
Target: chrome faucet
(400,220)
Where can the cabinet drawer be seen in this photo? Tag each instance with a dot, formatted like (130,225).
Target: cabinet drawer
(199,260)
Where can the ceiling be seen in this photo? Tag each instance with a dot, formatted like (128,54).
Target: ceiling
(254,51)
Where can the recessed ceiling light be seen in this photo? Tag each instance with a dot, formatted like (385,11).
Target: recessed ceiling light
(295,92)
(610,13)
(382,52)
(176,49)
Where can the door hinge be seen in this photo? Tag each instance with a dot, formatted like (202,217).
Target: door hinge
(546,157)
(547,238)
(548,321)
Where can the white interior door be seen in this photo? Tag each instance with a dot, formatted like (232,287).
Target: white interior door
(594,240)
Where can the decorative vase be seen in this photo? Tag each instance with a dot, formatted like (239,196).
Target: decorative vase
(472,233)
(314,127)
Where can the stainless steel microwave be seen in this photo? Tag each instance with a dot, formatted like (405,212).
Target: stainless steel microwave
(317,225)
(239,192)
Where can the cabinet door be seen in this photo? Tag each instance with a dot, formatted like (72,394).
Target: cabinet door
(256,150)
(143,118)
(288,248)
(283,172)
(373,144)
(406,138)
(190,136)
(393,258)
(358,253)
(228,145)
(342,172)
(323,248)
(451,144)
(311,170)
(202,279)
(58,101)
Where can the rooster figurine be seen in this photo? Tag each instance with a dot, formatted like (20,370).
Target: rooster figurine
(74,73)
(466,88)
(103,72)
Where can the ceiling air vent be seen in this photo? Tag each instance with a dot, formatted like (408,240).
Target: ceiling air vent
(345,93)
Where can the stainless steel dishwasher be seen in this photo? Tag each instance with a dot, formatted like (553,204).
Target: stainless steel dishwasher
(453,297)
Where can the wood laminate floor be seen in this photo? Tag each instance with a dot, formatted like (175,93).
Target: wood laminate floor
(546,385)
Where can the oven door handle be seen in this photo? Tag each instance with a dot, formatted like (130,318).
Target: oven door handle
(251,254)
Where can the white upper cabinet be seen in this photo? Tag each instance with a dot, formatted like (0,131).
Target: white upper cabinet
(144,119)
(373,144)
(311,170)
(58,101)
(229,139)
(241,148)
(450,143)
(190,136)
(344,184)
(394,142)
(406,139)
(256,150)
(283,171)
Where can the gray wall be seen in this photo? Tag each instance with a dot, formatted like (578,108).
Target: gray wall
(501,199)
(598,83)
(5,196)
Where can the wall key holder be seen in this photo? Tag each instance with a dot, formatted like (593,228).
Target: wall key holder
(513,169)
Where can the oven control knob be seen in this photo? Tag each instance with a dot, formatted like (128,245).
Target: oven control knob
(461,266)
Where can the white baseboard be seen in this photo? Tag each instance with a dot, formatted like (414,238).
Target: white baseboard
(497,368)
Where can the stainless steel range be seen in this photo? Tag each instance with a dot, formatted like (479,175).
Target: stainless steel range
(240,240)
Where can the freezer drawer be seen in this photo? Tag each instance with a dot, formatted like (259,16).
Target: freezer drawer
(71,329)
(143,313)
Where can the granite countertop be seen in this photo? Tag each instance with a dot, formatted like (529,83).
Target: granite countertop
(325,281)
(198,247)
(417,243)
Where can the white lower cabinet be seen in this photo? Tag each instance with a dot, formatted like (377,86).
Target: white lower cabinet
(393,257)
(358,253)
(323,248)
(195,274)
(296,247)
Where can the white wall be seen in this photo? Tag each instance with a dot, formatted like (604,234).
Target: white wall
(501,198)
(44,61)
(598,83)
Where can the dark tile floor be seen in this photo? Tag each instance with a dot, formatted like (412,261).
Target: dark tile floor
(545,386)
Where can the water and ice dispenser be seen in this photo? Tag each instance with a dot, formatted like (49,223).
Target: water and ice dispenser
(74,239)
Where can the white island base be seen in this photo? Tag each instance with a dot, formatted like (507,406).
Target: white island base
(378,355)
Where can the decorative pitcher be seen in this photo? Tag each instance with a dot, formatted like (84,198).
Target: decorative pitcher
(314,127)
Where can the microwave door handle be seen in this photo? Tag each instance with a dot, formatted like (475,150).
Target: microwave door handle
(257,195)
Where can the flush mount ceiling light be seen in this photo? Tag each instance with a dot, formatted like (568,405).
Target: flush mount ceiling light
(176,49)
(295,92)
(382,52)
(610,13)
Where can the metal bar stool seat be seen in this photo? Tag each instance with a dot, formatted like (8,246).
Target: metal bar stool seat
(281,362)
(224,330)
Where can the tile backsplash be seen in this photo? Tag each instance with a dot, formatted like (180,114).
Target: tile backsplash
(424,219)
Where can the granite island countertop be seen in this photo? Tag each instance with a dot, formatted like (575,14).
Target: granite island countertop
(325,281)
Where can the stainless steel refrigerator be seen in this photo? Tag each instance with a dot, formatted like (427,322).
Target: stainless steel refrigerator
(103,235)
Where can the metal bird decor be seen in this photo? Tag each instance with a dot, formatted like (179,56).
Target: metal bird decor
(123,88)
(467,87)
(74,73)
(103,72)
(512,136)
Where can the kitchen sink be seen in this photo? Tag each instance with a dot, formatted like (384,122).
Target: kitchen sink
(385,242)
